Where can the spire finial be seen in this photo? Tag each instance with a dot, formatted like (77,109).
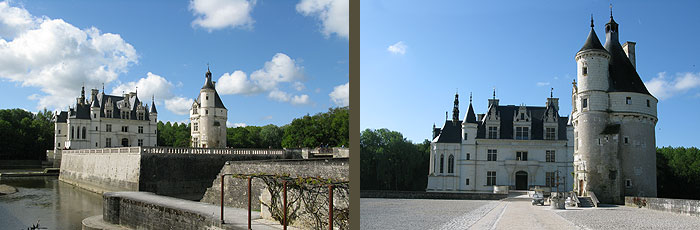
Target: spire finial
(103,87)
(137,90)
(470,97)
(591,20)
(611,10)
(551,92)
(445,115)
(494,92)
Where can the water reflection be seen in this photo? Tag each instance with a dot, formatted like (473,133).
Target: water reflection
(55,204)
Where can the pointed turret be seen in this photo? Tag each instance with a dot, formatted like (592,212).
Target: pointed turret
(95,103)
(153,105)
(623,74)
(592,42)
(470,117)
(208,83)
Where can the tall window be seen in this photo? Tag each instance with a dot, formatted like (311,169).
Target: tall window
(585,103)
(522,133)
(108,113)
(108,128)
(442,163)
(125,129)
(550,156)
(140,142)
(584,71)
(84,131)
(628,101)
(490,178)
(451,164)
(72,130)
(141,116)
(140,129)
(521,156)
(468,156)
(195,126)
(77,135)
(648,105)
(550,179)
(196,142)
(108,142)
(493,132)
(465,136)
(492,155)
(550,133)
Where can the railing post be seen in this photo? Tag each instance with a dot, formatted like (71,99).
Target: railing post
(284,205)
(249,185)
(222,198)
(330,207)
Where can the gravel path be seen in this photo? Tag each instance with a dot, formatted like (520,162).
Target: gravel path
(622,217)
(420,214)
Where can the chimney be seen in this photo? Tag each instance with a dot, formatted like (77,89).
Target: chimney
(480,116)
(629,50)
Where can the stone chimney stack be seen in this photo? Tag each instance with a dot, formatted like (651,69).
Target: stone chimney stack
(629,50)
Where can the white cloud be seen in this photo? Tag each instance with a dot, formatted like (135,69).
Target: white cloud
(280,70)
(268,117)
(340,94)
(664,87)
(152,85)
(397,48)
(219,14)
(58,57)
(235,125)
(236,83)
(179,105)
(542,83)
(334,15)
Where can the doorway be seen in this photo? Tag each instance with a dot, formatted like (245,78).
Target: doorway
(125,142)
(521,180)
(580,187)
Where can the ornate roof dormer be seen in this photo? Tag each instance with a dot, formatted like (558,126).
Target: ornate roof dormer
(522,115)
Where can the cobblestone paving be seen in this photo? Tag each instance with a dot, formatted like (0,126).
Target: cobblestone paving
(622,217)
(510,214)
(420,213)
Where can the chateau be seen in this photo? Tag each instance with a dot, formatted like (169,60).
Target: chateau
(106,121)
(515,146)
(208,117)
(614,116)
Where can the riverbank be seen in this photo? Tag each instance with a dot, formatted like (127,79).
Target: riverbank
(6,189)
(29,172)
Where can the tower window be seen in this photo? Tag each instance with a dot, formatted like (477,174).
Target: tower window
(468,156)
(648,105)
(585,71)
(628,183)
(627,140)
(465,136)
(467,181)
(628,101)
(585,103)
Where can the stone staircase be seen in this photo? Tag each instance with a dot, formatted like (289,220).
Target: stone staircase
(585,202)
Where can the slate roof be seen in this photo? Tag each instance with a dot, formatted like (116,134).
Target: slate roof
(153,108)
(217,101)
(471,117)
(62,117)
(592,42)
(451,133)
(623,75)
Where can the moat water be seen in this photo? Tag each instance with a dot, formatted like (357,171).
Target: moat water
(54,204)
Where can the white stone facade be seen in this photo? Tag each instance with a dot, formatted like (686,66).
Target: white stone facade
(208,117)
(503,159)
(106,121)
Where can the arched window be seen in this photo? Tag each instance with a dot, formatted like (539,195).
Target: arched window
(451,164)
(77,135)
(442,163)
(84,131)
(72,130)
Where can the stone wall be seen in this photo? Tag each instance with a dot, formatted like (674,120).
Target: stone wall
(430,195)
(178,172)
(116,169)
(680,206)
(236,190)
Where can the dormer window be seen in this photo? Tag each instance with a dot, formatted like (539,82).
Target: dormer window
(493,132)
(550,133)
(522,133)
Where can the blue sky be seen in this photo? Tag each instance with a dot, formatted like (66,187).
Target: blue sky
(273,60)
(414,57)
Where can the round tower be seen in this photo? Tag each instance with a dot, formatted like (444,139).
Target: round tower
(593,164)
(208,117)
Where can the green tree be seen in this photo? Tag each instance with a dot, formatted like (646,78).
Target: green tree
(271,136)
(24,135)
(390,162)
(330,128)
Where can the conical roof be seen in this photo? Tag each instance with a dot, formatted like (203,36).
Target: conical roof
(592,42)
(623,75)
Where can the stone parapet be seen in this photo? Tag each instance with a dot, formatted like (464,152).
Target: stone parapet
(430,195)
(679,206)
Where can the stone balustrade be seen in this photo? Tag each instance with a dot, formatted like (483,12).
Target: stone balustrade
(172,150)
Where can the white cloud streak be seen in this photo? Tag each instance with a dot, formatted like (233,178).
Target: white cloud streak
(333,14)
(220,14)
(397,48)
(179,105)
(664,87)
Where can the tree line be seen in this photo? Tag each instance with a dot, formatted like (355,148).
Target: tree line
(25,135)
(388,161)
(678,172)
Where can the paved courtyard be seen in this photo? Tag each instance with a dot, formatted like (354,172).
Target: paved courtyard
(512,213)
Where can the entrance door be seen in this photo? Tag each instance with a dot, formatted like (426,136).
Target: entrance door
(125,142)
(521,180)
(580,187)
